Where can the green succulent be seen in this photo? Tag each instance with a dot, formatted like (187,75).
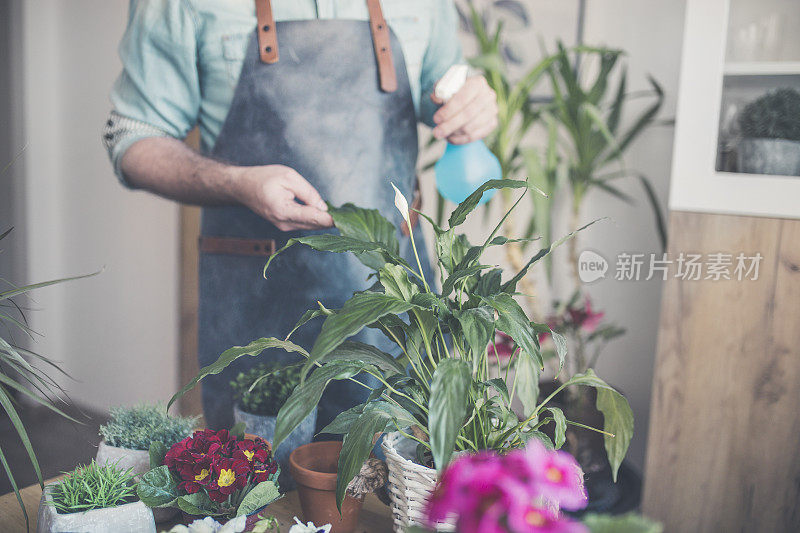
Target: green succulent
(776,115)
(263,389)
(93,487)
(137,427)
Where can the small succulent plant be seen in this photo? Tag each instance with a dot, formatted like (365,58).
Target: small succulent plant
(93,487)
(776,115)
(139,426)
(263,389)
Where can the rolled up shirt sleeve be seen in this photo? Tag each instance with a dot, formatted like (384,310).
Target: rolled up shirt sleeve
(444,51)
(158,91)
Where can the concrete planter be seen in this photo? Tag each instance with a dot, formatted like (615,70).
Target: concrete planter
(133,517)
(777,157)
(139,462)
(264,427)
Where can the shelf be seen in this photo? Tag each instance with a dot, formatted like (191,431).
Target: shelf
(762,68)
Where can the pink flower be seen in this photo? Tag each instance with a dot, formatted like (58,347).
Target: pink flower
(491,493)
(533,519)
(558,476)
(585,318)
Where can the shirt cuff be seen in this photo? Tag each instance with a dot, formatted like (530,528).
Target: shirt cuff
(119,134)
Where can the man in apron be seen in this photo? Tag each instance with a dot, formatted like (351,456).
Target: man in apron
(298,102)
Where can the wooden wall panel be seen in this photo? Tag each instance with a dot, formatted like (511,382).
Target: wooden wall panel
(724,443)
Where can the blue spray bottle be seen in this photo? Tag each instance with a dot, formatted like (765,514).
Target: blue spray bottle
(463,167)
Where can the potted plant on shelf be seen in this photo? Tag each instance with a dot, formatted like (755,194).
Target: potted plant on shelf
(212,473)
(94,499)
(260,392)
(770,128)
(131,431)
(437,397)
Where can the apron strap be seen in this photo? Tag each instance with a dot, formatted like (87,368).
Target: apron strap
(268,40)
(381,43)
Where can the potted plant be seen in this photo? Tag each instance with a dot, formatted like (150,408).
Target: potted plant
(212,473)
(94,499)
(131,431)
(437,397)
(260,392)
(770,128)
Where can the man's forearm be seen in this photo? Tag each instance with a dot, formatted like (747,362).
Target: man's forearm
(169,168)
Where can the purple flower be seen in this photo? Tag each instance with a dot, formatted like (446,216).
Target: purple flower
(558,476)
(535,519)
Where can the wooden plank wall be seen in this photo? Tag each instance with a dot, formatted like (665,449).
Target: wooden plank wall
(724,443)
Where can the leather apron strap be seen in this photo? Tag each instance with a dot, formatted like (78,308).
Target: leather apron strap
(268,40)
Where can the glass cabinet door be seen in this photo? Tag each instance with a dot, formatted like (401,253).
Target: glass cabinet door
(759,119)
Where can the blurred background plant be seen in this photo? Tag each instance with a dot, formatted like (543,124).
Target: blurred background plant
(776,115)
(263,389)
(139,426)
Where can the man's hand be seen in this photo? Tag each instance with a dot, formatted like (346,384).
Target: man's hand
(274,192)
(470,115)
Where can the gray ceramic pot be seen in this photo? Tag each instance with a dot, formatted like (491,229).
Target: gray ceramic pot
(133,517)
(776,157)
(264,427)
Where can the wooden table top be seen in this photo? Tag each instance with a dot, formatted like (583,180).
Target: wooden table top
(375,517)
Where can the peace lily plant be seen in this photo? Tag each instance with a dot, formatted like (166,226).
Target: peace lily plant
(439,390)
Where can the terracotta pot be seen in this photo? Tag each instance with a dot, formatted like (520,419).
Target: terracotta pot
(314,467)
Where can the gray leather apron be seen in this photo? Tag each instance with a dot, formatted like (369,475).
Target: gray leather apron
(321,111)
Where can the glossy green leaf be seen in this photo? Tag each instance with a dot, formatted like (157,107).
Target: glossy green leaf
(477,326)
(447,408)
(560,422)
(232,354)
(459,214)
(366,225)
(260,496)
(527,382)
(157,488)
(513,322)
(307,395)
(343,421)
(560,344)
(359,311)
(157,452)
(364,354)
(618,420)
(356,447)
(197,504)
(395,282)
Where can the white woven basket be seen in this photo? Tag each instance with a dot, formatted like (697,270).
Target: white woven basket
(410,484)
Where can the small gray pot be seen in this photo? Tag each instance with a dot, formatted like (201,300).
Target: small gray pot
(133,517)
(776,157)
(264,427)
(139,463)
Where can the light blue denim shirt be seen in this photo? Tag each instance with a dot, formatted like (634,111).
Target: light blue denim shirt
(181,60)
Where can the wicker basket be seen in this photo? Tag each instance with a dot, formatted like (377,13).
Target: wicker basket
(410,484)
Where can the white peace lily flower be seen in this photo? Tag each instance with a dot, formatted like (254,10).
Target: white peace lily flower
(401,204)
(310,527)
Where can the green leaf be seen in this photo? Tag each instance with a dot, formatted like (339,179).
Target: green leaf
(618,420)
(5,401)
(307,316)
(626,523)
(489,283)
(477,325)
(197,504)
(394,279)
(365,225)
(356,447)
(527,382)
(512,321)
(541,437)
(260,496)
(157,452)
(230,355)
(652,199)
(500,385)
(561,426)
(364,354)
(468,272)
(14,486)
(362,309)
(238,430)
(157,488)
(27,288)
(343,421)
(447,408)
(459,214)
(307,395)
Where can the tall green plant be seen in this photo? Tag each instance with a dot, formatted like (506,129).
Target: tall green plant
(440,384)
(24,372)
